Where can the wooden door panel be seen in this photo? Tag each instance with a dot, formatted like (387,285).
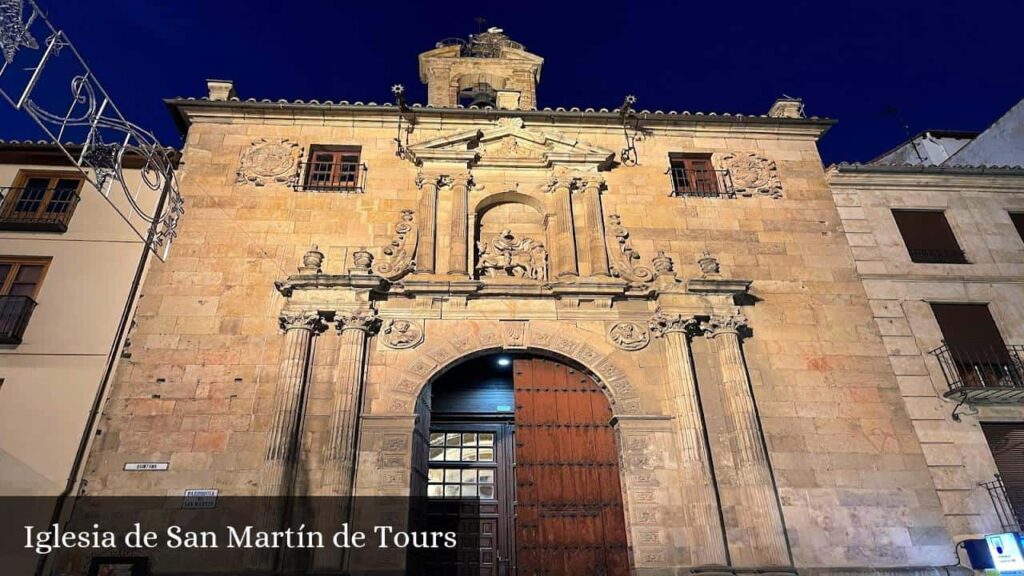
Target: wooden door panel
(569,514)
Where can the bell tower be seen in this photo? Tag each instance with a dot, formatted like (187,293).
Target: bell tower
(489,69)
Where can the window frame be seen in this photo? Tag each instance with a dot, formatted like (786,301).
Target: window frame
(920,258)
(53,176)
(684,161)
(334,182)
(16,263)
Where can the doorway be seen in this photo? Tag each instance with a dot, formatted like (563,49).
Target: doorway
(522,459)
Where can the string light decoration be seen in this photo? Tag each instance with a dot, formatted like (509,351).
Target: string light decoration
(50,82)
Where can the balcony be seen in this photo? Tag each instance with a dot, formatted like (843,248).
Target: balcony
(341,174)
(15,312)
(934,256)
(1009,504)
(983,374)
(702,183)
(37,209)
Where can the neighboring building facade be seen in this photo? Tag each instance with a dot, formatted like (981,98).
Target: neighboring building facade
(687,333)
(67,263)
(940,248)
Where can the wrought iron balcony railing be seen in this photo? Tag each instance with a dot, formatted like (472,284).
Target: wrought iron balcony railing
(343,175)
(983,374)
(15,312)
(37,209)
(1009,504)
(702,183)
(936,256)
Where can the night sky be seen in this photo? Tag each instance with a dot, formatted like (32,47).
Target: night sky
(875,66)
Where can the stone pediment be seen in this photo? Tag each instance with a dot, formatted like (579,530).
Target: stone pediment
(510,144)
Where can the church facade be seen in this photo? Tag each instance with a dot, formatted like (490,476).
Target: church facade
(695,377)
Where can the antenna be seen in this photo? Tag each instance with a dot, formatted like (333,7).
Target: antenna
(480,23)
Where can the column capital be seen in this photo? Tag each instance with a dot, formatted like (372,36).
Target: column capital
(662,324)
(724,324)
(300,320)
(365,320)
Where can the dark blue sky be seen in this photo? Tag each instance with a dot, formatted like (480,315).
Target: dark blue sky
(941,64)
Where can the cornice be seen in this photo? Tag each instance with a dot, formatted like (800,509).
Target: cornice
(915,178)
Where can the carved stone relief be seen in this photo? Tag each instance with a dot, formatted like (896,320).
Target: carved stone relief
(400,254)
(625,260)
(753,174)
(508,256)
(401,334)
(629,335)
(267,161)
(513,333)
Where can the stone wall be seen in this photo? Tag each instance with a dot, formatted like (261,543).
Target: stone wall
(852,482)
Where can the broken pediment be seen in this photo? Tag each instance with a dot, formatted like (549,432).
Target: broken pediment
(509,144)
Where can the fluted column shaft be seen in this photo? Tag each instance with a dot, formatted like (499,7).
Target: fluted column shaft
(458,256)
(289,401)
(564,249)
(425,256)
(592,244)
(339,456)
(759,534)
(706,539)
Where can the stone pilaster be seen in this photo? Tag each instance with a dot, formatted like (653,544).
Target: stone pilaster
(705,538)
(458,259)
(426,256)
(289,400)
(589,230)
(756,536)
(563,237)
(339,456)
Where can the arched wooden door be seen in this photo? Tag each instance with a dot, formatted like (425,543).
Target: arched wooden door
(569,517)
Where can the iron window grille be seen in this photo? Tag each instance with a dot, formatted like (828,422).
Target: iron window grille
(15,313)
(333,170)
(936,256)
(982,374)
(39,208)
(1009,504)
(694,175)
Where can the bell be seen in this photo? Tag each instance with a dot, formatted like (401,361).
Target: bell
(481,96)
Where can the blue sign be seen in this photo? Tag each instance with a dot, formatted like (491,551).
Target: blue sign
(1006,552)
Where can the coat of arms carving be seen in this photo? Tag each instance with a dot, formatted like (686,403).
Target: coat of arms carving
(268,161)
(508,256)
(753,174)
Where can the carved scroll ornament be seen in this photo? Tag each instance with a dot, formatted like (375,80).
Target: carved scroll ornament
(506,255)
(400,254)
(625,260)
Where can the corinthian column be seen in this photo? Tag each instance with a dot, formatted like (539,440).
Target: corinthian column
(747,487)
(339,456)
(563,238)
(458,256)
(289,401)
(593,256)
(427,223)
(706,540)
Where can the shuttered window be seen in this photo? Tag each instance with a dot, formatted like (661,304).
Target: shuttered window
(928,237)
(1007,444)
(1018,222)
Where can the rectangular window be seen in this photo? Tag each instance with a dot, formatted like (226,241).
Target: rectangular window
(1018,222)
(40,201)
(462,465)
(975,347)
(928,237)
(334,169)
(1006,441)
(693,175)
(20,279)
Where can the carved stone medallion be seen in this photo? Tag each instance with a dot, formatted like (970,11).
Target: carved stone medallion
(753,174)
(629,335)
(401,334)
(269,161)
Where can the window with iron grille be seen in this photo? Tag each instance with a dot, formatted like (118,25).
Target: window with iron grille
(334,169)
(928,237)
(20,279)
(694,175)
(40,201)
